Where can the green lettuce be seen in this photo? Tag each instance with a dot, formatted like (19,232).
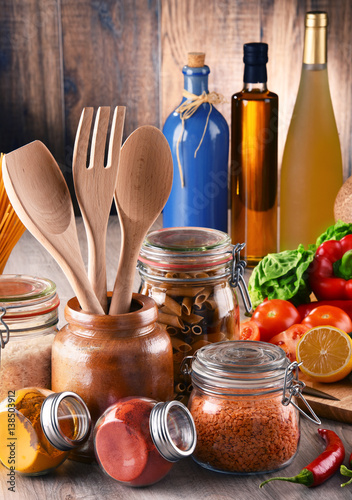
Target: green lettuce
(282,276)
(335,232)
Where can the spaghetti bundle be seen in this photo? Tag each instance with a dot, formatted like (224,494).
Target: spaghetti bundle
(11,228)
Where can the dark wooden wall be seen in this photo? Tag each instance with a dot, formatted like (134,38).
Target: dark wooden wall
(57,56)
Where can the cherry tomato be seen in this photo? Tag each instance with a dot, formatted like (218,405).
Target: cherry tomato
(249,330)
(288,339)
(274,316)
(328,315)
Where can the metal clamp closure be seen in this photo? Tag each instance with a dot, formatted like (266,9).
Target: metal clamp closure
(294,389)
(237,279)
(186,365)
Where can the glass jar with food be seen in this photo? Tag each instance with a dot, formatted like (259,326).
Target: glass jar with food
(243,407)
(39,429)
(104,358)
(138,440)
(191,273)
(29,311)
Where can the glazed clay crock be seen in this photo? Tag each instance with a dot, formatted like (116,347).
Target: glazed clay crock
(104,358)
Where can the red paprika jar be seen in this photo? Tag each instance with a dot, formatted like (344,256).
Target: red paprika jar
(137,440)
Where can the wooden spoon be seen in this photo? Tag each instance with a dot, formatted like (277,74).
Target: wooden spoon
(39,194)
(144,181)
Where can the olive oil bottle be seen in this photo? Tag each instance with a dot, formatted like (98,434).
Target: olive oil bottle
(311,173)
(254,128)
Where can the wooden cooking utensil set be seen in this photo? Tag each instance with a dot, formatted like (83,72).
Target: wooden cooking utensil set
(138,176)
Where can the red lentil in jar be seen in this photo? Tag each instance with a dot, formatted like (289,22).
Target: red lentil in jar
(242,425)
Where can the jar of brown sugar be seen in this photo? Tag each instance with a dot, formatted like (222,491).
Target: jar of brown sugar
(243,407)
(191,273)
(105,358)
(29,311)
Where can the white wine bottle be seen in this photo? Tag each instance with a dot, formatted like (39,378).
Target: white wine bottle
(311,172)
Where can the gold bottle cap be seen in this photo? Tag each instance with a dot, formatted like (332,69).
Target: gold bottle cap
(196,59)
(316,19)
(315,51)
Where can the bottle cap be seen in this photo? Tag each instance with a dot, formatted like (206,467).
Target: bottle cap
(255,53)
(316,19)
(196,59)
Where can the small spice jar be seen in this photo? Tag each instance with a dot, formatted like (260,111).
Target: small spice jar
(39,429)
(29,307)
(191,273)
(244,420)
(105,358)
(138,440)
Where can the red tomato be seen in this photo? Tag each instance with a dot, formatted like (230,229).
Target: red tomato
(328,315)
(249,330)
(274,316)
(288,339)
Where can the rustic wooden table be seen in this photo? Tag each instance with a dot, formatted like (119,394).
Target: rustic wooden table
(75,481)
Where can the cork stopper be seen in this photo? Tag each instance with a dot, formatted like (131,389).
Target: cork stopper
(196,59)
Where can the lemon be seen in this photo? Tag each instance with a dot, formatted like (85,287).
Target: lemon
(326,354)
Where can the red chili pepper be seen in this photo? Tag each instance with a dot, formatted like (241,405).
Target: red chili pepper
(330,273)
(323,467)
(346,472)
(345,305)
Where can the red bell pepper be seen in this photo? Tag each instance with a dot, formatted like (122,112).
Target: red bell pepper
(330,273)
(345,305)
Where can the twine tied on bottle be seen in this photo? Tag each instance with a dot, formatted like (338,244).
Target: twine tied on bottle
(187,109)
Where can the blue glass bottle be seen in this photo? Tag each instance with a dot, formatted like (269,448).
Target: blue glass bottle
(203,200)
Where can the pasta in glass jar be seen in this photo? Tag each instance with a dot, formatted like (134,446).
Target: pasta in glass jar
(189,274)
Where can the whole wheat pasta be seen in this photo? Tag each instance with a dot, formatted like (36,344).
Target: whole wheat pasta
(197,330)
(180,345)
(168,319)
(189,388)
(172,330)
(173,305)
(210,304)
(171,275)
(186,305)
(184,276)
(180,388)
(200,275)
(191,319)
(202,297)
(215,337)
(178,357)
(182,398)
(166,310)
(199,344)
(186,330)
(188,291)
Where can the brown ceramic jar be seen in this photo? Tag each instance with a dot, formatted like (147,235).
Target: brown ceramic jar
(104,358)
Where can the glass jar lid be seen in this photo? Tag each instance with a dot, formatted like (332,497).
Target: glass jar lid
(25,296)
(240,368)
(186,247)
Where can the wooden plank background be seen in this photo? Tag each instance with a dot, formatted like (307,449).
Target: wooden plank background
(57,56)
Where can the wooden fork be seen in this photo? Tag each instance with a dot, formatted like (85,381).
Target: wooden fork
(95,186)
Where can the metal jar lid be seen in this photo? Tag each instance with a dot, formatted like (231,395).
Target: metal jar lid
(240,368)
(181,248)
(60,407)
(246,368)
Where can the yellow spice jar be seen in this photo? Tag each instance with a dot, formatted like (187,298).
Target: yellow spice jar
(39,428)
